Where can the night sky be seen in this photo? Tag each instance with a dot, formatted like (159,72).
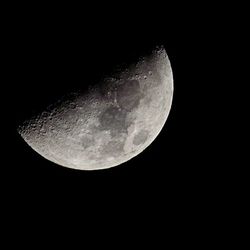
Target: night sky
(49,55)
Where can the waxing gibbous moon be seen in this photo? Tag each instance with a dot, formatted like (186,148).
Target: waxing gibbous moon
(109,123)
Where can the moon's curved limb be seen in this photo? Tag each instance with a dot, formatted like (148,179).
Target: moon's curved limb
(109,124)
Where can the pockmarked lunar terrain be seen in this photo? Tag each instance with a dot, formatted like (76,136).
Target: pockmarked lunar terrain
(111,122)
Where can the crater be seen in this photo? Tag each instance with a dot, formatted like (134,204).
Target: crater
(107,89)
(129,94)
(141,137)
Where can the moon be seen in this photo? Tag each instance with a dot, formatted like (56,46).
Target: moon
(111,122)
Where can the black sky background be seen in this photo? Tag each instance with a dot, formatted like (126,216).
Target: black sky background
(50,53)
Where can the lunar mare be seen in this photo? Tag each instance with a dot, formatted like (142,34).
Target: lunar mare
(111,122)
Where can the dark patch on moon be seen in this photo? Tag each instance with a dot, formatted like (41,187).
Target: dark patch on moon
(114,119)
(87,142)
(129,94)
(113,148)
(141,137)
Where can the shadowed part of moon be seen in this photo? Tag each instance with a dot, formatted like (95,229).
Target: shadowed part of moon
(141,137)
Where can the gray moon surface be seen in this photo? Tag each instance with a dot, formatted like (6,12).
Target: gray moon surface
(110,123)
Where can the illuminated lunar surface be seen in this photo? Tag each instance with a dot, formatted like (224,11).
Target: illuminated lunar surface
(111,122)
